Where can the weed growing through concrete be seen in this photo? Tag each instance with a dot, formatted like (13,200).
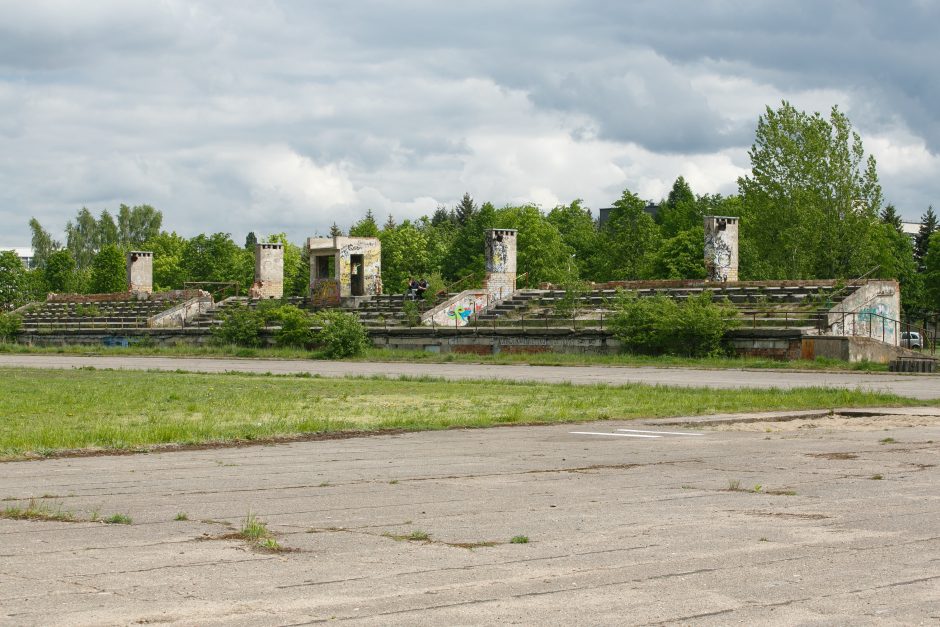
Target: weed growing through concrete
(734,485)
(415,536)
(118,519)
(37,510)
(181,516)
(876,477)
(253,529)
(519,540)
(887,441)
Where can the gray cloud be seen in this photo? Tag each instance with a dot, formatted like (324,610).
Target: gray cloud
(286,116)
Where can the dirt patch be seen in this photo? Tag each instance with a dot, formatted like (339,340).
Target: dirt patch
(836,422)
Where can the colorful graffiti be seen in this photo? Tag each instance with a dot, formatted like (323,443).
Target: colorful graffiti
(325,292)
(459,311)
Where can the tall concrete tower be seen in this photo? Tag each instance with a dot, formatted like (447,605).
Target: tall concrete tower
(269,271)
(500,255)
(721,248)
(140,271)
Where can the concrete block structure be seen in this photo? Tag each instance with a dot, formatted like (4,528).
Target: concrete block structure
(500,255)
(344,267)
(140,271)
(269,271)
(721,248)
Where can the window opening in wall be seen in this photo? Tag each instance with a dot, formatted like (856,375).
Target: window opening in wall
(357,278)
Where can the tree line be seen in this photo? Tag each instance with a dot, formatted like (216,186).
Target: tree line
(811,208)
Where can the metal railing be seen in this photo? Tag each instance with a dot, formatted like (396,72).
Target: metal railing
(897,329)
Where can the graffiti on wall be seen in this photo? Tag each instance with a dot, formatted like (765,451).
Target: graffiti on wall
(718,256)
(325,292)
(499,254)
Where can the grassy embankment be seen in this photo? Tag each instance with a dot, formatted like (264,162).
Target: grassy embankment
(536,359)
(43,412)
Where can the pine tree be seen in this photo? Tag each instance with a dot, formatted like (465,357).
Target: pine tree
(928,226)
(889,215)
(335,231)
(390,223)
(365,227)
(465,209)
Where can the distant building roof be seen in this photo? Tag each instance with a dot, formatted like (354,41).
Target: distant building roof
(910,228)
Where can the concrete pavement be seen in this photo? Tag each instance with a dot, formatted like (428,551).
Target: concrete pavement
(913,386)
(629,523)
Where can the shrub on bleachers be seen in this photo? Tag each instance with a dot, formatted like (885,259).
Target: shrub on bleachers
(661,325)
(10,325)
(240,326)
(341,333)
(295,327)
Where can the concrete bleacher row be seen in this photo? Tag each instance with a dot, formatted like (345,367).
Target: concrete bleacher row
(768,306)
(128,314)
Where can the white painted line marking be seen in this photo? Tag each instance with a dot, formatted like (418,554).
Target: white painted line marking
(663,432)
(622,435)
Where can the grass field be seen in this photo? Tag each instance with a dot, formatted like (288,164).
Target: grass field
(43,412)
(537,359)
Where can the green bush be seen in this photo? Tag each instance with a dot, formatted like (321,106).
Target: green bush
(240,326)
(295,327)
(569,305)
(436,285)
(661,325)
(412,313)
(341,334)
(10,325)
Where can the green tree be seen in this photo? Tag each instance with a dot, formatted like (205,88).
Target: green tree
(928,226)
(59,273)
(681,256)
(540,250)
(932,273)
(106,231)
(405,253)
(465,255)
(13,292)
(42,243)
(465,210)
(217,258)
(812,198)
(81,238)
(366,227)
(138,224)
(335,230)
(680,211)
(889,215)
(578,232)
(627,242)
(108,271)
(250,241)
(168,250)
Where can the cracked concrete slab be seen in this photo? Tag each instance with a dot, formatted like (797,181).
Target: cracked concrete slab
(829,525)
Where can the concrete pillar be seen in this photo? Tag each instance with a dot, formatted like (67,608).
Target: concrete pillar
(500,254)
(269,271)
(140,271)
(721,248)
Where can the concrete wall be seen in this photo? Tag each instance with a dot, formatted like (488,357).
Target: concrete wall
(140,271)
(853,348)
(721,248)
(873,311)
(500,256)
(269,271)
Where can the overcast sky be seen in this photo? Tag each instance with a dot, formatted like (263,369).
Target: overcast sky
(286,116)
